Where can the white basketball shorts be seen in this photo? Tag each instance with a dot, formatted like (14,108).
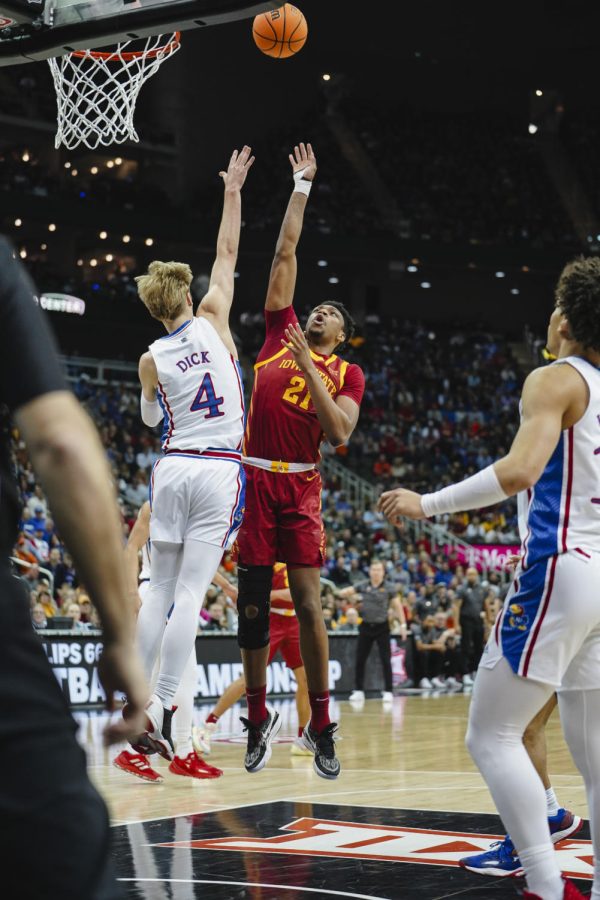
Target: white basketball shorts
(196,498)
(549,628)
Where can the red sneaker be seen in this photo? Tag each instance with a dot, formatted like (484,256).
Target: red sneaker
(193,766)
(136,764)
(571,892)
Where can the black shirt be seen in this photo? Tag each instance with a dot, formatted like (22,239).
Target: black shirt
(29,367)
(375,601)
(472,600)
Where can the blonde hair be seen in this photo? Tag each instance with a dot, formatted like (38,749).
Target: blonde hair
(164,288)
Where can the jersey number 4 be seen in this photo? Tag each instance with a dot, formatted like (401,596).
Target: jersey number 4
(206,399)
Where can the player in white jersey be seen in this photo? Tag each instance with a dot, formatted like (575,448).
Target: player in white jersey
(191,377)
(547,636)
(186,761)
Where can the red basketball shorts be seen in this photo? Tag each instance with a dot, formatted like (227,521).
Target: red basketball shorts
(285,637)
(282,519)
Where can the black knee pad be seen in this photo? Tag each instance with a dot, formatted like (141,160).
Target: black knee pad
(254,593)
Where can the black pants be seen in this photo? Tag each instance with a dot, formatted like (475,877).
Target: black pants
(429,664)
(367,636)
(453,663)
(54,831)
(471,642)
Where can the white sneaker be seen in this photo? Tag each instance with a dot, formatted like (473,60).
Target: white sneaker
(387,696)
(468,681)
(425,684)
(438,683)
(357,695)
(201,737)
(452,683)
(299,748)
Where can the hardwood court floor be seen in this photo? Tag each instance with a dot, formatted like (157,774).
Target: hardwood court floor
(406,777)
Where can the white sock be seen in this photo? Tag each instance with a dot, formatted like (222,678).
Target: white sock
(552,802)
(165,689)
(183,745)
(184,701)
(543,874)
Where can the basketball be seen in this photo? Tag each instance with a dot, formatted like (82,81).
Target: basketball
(280,33)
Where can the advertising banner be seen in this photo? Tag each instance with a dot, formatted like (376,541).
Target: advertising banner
(495,557)
(74,660)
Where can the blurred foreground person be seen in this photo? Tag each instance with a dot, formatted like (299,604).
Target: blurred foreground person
(54,830)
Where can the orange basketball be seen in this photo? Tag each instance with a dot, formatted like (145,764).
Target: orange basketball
(281,32)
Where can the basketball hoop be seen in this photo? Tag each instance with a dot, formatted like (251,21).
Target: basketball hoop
(96,91)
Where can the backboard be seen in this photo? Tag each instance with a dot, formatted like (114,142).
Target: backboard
(48,28)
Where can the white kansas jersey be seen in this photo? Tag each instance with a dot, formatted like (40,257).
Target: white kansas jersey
(561,513)
(199,389)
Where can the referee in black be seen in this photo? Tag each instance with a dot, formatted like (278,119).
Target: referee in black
(377,598)
(54,834)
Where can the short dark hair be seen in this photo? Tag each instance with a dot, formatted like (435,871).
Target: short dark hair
(349,323)
(578,297)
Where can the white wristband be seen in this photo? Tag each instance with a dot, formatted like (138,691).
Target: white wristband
(152,414)
(482,489)
(301,186)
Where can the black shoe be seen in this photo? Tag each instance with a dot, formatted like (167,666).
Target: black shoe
(141,744)
(322,744)
(158,733)
(260,738)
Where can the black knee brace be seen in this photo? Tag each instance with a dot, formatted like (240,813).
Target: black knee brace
(254,593)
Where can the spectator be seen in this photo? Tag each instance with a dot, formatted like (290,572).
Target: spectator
(330,623)
(217,620)
(37,503)
(38,617)
(74,612)
(350,622)
(45,600)
(491,609)
(429,653)
(85,605)
(469,613)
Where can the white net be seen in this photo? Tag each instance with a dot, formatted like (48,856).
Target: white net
(96,92)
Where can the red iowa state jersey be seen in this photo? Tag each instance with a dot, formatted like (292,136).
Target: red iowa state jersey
(282,422)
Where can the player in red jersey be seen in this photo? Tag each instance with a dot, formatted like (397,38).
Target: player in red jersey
(303,392)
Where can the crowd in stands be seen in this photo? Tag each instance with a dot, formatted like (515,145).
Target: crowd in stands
(474,178)
(438,405)
(121,188)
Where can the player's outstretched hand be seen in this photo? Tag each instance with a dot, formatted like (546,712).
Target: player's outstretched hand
(120,670)
(398,503)
(304,160)
(238,168)
(297,344)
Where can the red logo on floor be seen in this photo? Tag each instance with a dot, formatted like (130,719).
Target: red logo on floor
(353,840)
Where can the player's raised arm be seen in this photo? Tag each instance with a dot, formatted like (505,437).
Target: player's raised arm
(282,281)
(216,305)
(553,399)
